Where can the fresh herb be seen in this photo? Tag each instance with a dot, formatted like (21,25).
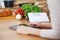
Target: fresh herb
(30,8)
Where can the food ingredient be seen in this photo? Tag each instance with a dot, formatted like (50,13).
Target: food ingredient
(18,16)
(20,11)
(30,8)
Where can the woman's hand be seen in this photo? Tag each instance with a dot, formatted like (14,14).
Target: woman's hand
(41,25)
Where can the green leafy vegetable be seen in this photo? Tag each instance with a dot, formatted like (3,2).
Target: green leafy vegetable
(30,8)
(25,24)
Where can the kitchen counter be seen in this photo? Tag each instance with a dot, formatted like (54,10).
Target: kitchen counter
(8,34)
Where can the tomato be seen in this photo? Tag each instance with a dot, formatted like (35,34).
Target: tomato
(17,12)
(20,11)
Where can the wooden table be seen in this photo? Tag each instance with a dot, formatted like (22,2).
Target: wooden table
(8,34)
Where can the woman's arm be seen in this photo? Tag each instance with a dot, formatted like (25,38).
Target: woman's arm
(30,30)
(41,25)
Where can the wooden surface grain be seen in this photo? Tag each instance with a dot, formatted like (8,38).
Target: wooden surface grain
(7,34)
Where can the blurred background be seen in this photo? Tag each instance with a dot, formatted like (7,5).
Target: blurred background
(14,4)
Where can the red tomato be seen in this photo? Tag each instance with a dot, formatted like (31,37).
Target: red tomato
(20,11)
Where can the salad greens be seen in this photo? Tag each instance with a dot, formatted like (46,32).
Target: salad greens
(30,8)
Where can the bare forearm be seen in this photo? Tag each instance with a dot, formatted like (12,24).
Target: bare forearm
(28,30)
